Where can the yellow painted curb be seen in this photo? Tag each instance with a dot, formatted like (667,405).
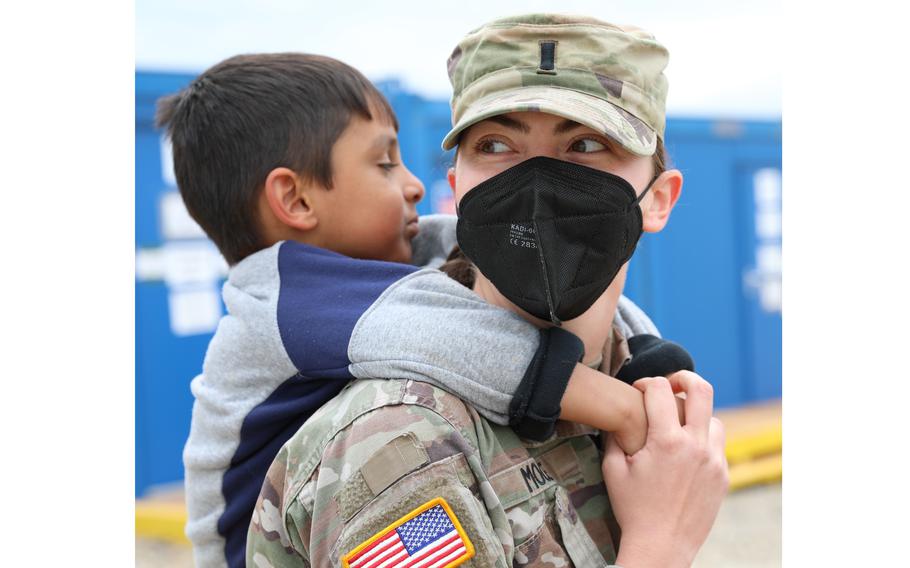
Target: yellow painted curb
(762,470)
(164,521)
(746,446)
(754,443)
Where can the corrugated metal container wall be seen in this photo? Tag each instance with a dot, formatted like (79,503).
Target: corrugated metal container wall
(710,280)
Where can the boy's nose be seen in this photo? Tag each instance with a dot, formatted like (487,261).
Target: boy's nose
(413,188)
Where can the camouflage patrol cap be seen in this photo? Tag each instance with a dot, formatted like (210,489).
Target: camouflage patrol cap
(607,77)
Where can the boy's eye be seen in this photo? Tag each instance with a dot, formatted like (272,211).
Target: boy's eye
(492,147)
(388,166)
(587,145)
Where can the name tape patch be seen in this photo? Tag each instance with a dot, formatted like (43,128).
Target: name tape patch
(430,536)
(535,476)
(522,481)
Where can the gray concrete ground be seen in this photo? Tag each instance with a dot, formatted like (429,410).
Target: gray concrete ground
(747,532)
(746,535)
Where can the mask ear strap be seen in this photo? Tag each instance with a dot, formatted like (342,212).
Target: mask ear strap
(648,188)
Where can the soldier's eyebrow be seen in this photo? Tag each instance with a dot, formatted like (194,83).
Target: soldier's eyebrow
(512,123)
(566,126)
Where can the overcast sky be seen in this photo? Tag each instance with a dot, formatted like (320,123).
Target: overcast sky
(724,56)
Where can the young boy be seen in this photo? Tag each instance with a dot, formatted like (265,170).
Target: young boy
(290,164)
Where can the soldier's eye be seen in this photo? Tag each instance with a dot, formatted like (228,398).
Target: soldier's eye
(492,146)
(587,145)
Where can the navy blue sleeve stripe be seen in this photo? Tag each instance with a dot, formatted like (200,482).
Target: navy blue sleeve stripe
(322,295)
(265,429)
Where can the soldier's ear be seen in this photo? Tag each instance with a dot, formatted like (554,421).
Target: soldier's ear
(657,205)
(450,177)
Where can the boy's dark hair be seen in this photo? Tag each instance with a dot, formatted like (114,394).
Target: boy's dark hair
(248,115)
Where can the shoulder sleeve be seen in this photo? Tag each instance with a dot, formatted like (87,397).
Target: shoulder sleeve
(396,484)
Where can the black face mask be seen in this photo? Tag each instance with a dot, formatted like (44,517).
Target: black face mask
(551,235)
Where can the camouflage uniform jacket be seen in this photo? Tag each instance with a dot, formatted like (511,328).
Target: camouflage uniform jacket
(381,449)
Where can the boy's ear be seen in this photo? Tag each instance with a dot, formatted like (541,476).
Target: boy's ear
(290,199)
(656,207)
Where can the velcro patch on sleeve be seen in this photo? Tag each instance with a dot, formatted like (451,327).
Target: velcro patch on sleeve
(430,536)
(397,458)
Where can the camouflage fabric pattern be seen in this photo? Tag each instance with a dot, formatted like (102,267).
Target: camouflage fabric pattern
(607,77)
(520,503)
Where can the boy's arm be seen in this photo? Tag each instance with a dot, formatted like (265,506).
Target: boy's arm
(428,327)
(340,317)
(608,404)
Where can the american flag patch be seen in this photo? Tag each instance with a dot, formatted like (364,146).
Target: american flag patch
(430,536)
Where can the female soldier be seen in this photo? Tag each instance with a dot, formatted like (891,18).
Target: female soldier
(558,121)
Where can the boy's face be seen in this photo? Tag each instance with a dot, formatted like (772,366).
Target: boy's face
(370,211)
